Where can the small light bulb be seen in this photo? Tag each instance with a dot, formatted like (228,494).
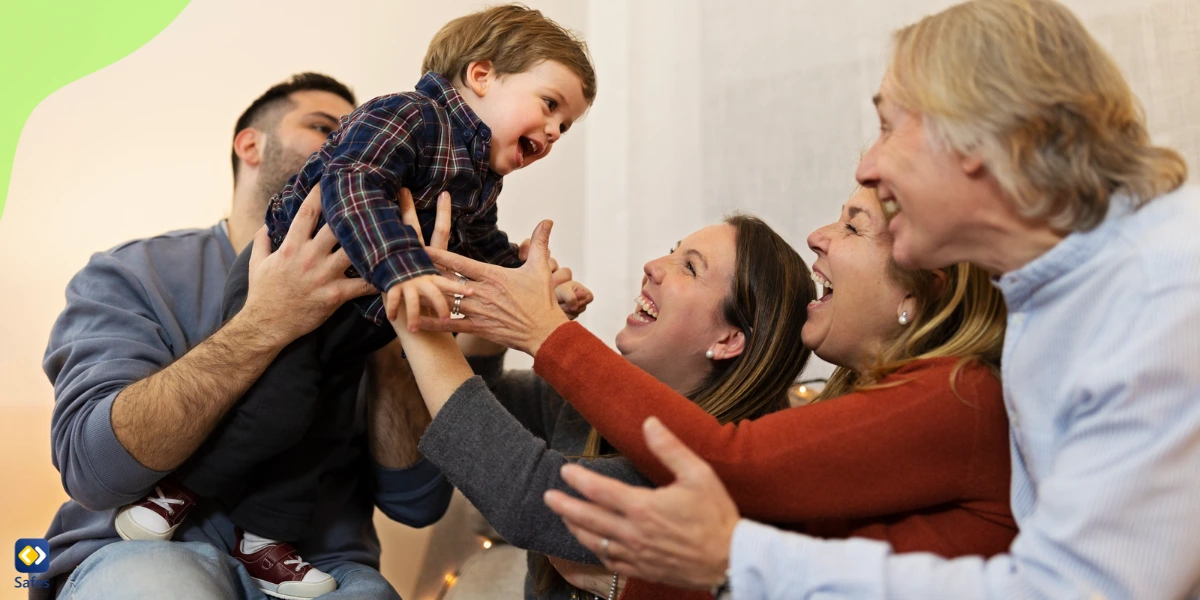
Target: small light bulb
(486,544)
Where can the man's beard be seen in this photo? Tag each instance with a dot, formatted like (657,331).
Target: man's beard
(278,165)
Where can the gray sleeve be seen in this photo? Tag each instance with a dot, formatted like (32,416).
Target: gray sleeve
(503,469)
(522,393)
(106,338)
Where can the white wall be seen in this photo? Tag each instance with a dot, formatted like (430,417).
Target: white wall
(764,105)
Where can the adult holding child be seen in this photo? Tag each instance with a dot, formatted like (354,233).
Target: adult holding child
(736,288)
(909,444)
(145,368)
(500,87)
(1008,139)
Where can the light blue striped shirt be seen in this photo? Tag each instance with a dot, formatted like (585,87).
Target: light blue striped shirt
(1101,374)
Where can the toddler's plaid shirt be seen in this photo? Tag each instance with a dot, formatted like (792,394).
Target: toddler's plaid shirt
(428,141)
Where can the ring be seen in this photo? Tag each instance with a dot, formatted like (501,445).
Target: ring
(455,312)
(604,542)
(462,279)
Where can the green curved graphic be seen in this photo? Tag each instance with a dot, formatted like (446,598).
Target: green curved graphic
(46,44)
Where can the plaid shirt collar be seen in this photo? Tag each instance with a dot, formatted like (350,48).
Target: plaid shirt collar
(443,92)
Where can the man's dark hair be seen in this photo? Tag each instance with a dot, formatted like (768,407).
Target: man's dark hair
(279,95)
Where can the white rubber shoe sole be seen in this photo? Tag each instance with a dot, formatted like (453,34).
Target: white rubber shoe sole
(129,529)
(296,590)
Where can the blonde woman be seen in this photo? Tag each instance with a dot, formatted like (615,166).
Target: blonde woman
(1008,139)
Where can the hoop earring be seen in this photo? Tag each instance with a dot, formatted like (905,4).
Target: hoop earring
(903,318)
(709,354)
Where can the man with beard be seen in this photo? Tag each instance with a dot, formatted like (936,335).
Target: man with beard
(272,140)
(144,370)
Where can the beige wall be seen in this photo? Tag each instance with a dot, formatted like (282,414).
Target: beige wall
(142,147)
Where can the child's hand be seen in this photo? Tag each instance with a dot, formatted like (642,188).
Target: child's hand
(430,288)
(573,298)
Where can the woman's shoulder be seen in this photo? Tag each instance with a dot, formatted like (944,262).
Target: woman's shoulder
(966,378)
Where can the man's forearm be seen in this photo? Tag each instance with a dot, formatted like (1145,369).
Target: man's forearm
(396,415)
(162,419)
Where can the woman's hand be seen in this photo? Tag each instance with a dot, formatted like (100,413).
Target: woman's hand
(436,362)
(677,534)
(430,288)
(573,298)
(516,308)
(593,579)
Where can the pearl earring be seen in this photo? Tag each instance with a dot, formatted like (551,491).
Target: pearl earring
(709,355)
(903,318)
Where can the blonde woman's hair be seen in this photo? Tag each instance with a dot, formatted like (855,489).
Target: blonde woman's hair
(959,313)
(1023,84)
(514,38)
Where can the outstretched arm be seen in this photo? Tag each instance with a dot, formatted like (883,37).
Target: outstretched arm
(939,436)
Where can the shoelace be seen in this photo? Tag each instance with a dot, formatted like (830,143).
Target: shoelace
(163,501)
(300,564)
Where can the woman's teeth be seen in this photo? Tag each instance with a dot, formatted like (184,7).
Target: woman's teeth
(891,207)
(645,308)
(824,288)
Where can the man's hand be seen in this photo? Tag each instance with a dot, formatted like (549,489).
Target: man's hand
(162,419)
(297,287)
(678,534)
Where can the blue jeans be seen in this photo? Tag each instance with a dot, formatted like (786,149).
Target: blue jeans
(186,570)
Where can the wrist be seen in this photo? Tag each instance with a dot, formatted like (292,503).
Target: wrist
(721,566)
(259,329)
(722,591)
(472,345)
(256,332)
(540,334)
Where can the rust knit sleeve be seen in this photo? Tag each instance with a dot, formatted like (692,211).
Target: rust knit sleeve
(637,589)
(910,446)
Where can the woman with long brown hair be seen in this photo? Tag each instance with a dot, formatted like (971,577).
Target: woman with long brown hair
(719,317)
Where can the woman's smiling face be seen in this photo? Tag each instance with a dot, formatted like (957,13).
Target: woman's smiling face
(678,313)
(850,326)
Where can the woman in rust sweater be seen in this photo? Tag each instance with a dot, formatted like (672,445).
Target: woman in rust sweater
(503,438)
(909,444)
